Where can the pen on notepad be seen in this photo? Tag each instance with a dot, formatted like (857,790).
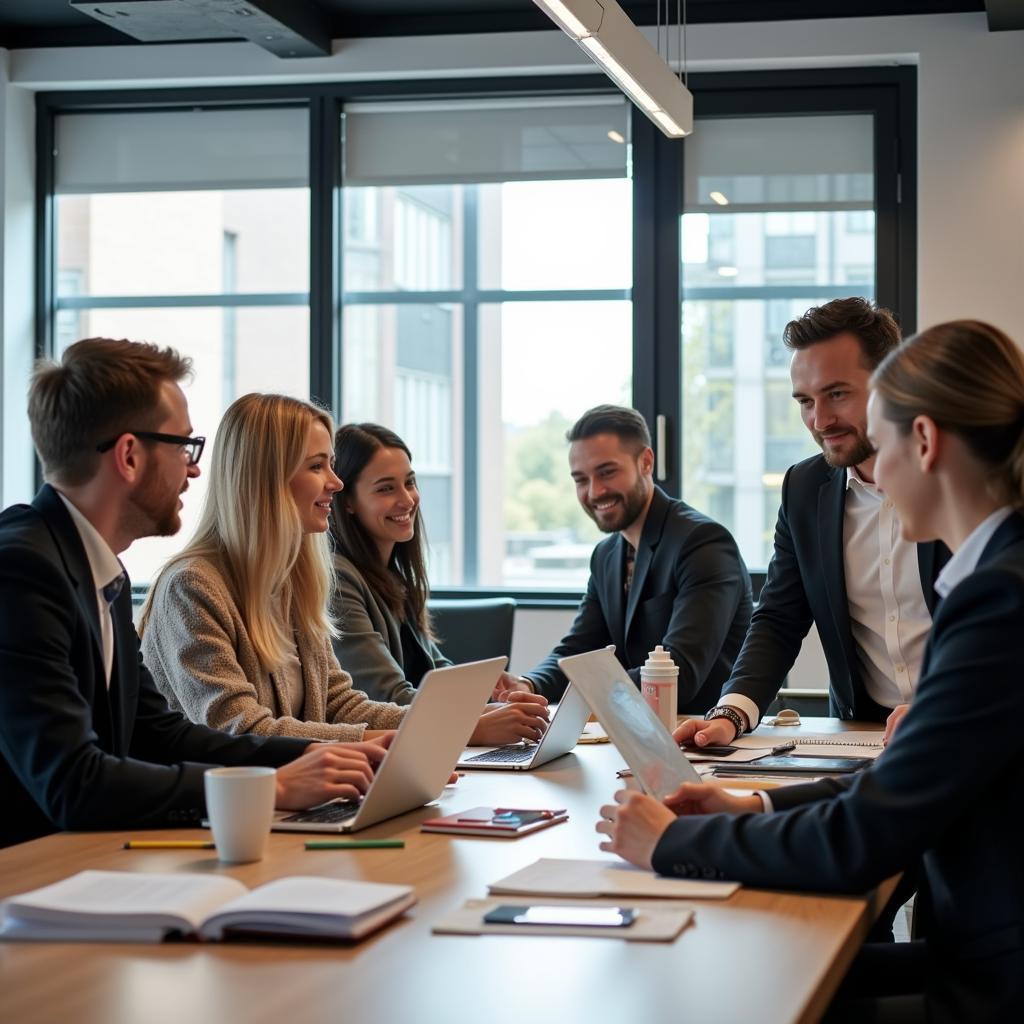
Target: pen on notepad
(168,844)
(783,747)
(355,844)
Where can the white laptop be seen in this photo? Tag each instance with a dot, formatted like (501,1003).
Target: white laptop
(562,734)
(658,764)
(440,720)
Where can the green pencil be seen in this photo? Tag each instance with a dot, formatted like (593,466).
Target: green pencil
(355,844)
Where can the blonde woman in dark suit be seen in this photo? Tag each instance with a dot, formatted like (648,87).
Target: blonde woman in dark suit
(947,418)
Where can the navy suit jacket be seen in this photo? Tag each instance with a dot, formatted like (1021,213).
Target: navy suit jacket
(690,593)
(73,754)
(807,583)
(949,788)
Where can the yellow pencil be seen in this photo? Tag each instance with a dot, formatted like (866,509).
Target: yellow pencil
(169,844)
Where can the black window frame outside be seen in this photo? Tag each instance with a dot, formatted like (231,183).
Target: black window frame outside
(889,94)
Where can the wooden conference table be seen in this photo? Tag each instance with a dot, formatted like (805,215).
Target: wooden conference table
(758,956)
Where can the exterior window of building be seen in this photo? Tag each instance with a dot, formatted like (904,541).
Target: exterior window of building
(796,228)
(198,240)
(490,310)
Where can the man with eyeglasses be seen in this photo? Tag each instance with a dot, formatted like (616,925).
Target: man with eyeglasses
(86,740)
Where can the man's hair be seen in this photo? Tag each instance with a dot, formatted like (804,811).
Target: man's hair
(874,327)
(100,389)
(627,425)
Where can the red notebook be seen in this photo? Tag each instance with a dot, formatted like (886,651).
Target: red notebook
(503,822)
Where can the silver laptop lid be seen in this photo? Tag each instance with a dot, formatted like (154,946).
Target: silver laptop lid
(441,718)
(658,764)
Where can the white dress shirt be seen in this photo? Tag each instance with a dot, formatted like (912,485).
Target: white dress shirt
(955,571)
(965,560)
(105,568)
(889,618)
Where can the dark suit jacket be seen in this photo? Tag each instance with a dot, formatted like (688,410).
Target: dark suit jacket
(690,593)
(74,755)
(950,787)
(806,583)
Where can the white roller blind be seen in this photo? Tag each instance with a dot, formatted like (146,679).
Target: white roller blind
(161,151)
(769,162)
(481,141)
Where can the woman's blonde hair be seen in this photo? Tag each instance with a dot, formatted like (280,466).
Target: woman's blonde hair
(280,577)
(968,376)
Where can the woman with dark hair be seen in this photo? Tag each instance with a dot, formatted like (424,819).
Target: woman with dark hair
(947,419)
(380,561)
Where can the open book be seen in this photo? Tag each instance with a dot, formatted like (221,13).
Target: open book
(122,906)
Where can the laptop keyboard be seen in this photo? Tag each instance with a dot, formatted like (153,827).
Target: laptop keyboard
(513,753)
(326,814)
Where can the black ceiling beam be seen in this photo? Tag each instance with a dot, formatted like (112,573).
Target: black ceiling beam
(1004,15)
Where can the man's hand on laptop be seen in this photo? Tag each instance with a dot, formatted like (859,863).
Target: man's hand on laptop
(717,732)
(523,716)
(327,771)
(508,684)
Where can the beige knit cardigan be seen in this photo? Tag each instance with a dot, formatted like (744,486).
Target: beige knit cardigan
(198,650)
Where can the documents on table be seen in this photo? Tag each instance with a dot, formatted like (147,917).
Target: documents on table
(124,906)
(655,922)
(552,876)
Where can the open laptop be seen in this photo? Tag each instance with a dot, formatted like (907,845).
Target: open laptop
(437,725)
(562,734)
(658,764)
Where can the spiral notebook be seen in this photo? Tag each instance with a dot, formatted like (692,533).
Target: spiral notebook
(848,744)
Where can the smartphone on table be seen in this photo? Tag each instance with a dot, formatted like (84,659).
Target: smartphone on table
(575,917)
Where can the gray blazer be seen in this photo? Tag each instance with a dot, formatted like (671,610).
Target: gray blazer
(198,650)
(370,645)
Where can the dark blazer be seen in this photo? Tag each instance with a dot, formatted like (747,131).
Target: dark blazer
(74,755)
(950,787)
(690,593)
(370,645)
(806,583)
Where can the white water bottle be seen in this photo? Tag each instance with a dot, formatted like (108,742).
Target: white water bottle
(659,683)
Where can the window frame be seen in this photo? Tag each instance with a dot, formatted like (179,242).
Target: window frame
(889,94)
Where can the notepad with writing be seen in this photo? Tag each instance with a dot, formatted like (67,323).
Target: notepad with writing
(552,876)
(122,906)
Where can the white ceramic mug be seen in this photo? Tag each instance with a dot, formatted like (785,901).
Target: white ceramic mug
(240,806)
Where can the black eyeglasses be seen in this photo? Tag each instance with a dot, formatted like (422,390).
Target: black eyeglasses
(191,446)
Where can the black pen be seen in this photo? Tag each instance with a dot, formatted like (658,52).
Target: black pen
(783,747)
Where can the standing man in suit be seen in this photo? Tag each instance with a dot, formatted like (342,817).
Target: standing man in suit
(669,575)
(839,559)
(86,740)
(947,416)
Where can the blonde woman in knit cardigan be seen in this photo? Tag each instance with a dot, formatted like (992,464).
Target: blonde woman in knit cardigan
(236,631)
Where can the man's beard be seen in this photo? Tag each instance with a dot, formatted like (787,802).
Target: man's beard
(632,505)
(861,452)
(153,511)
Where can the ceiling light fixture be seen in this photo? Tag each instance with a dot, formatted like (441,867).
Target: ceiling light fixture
(607,35)
(719,197)
(617,137)
(728,271)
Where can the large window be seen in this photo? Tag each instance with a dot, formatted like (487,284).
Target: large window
(778,217)
(487,271)
(188,229)
(477,268)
